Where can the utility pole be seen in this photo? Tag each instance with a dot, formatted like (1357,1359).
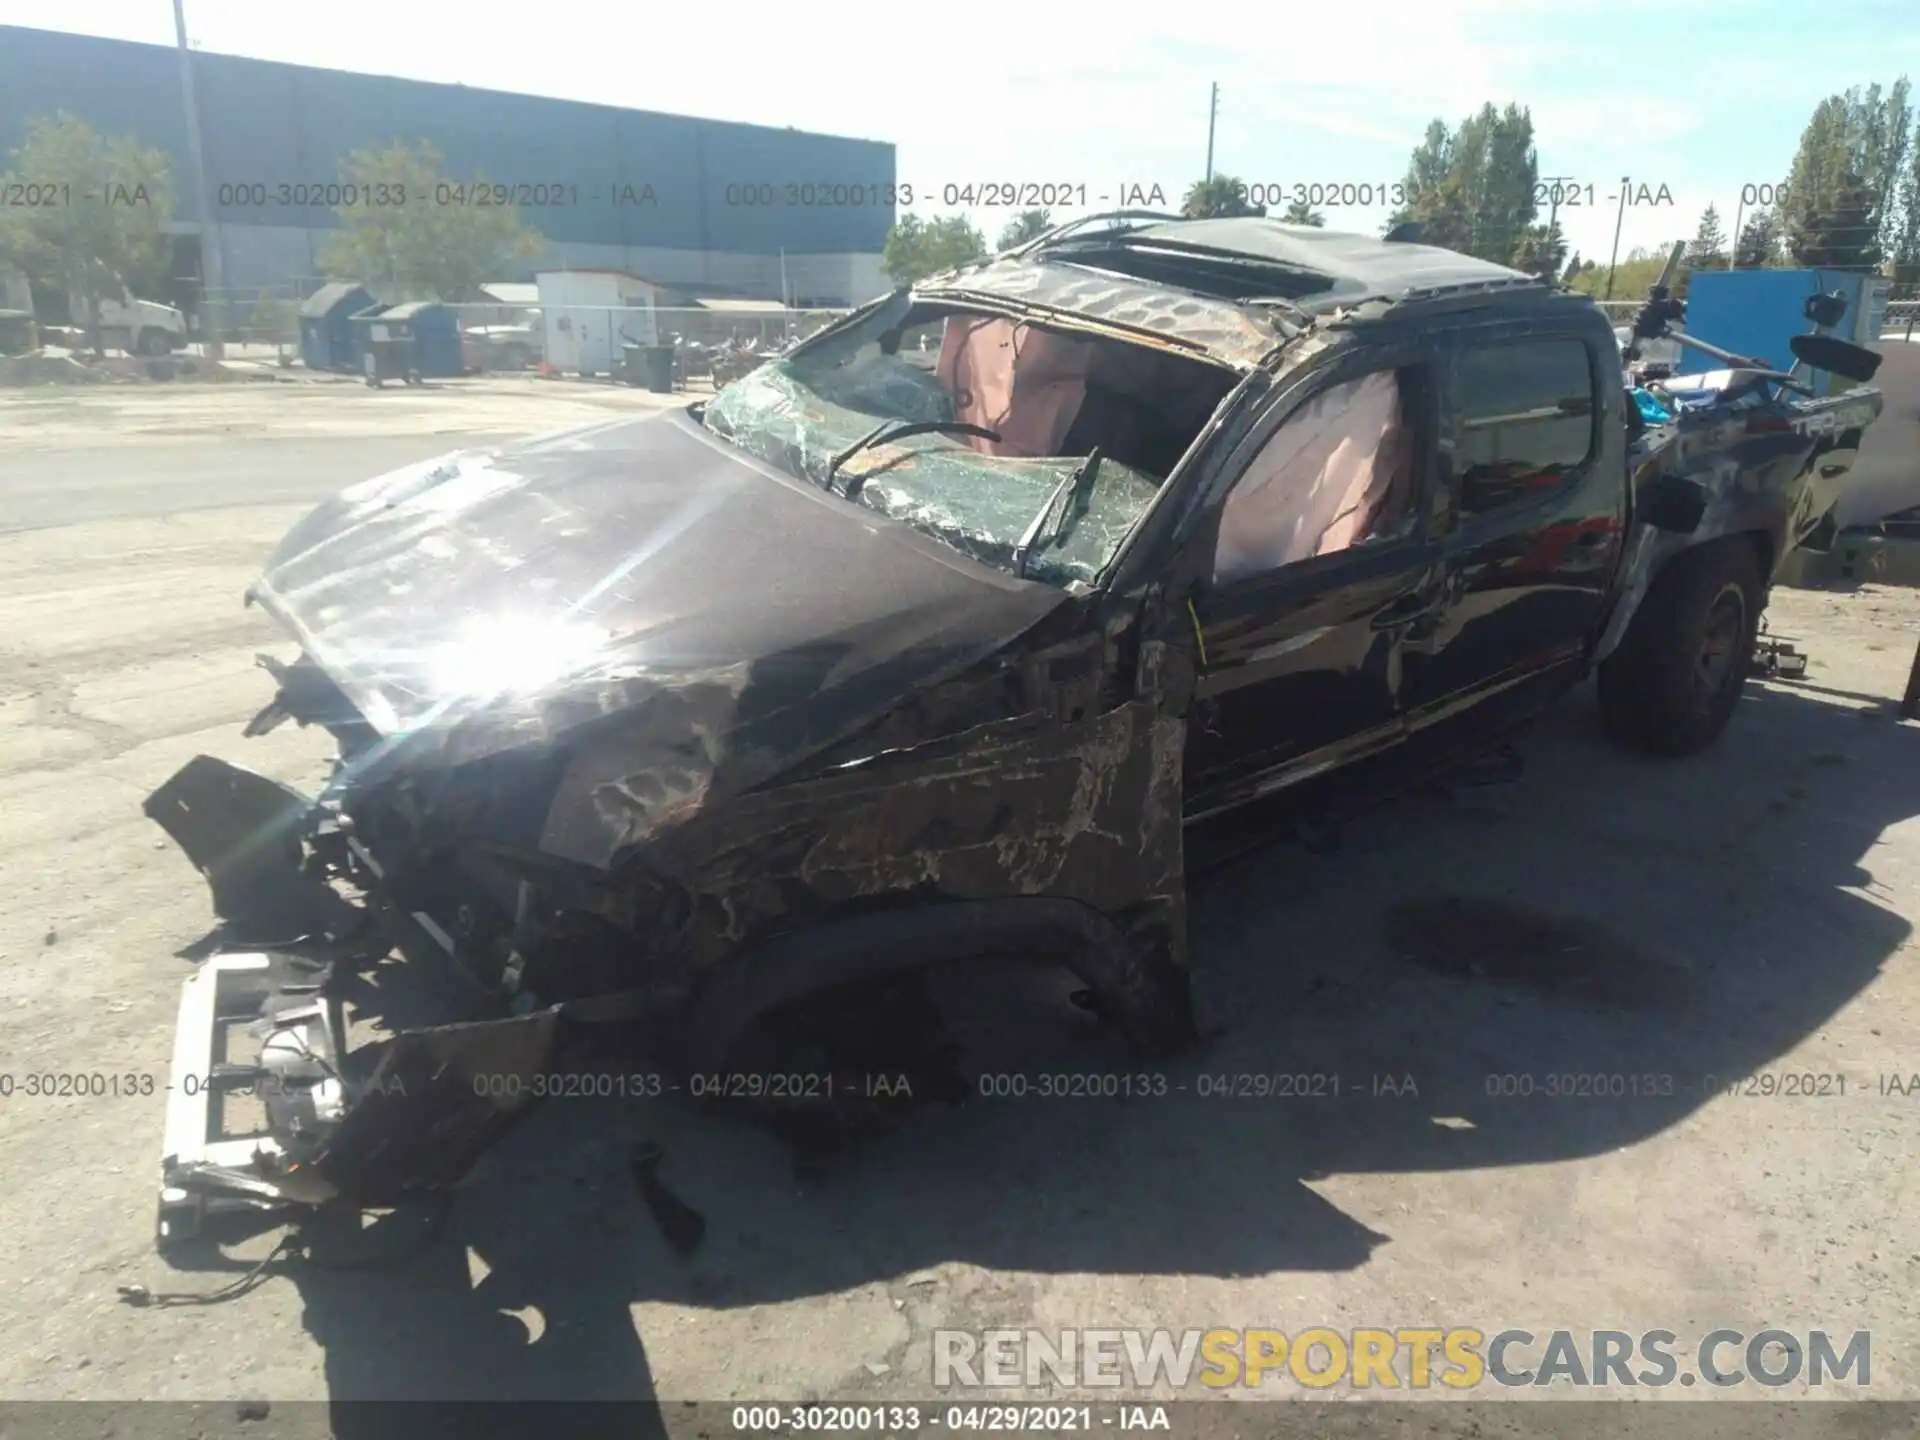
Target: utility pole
(1553,184)
(210,267)
(1614,259)
(1213,110)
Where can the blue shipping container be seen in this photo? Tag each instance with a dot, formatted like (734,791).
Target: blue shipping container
(1756,312)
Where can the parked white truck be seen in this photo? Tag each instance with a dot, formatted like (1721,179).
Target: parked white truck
(140,327)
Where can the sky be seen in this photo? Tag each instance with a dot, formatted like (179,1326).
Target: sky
(1703,101)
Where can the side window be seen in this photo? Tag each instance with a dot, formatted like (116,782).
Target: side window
(1526,420)
(1337,473)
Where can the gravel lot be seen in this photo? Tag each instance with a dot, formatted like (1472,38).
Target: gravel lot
(1748,912)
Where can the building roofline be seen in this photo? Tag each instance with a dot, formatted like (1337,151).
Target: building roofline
(167,51)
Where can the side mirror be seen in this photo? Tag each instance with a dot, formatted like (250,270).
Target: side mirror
(1672,503)
(1840,357)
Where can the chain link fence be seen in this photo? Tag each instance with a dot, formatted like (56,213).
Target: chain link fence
(258,324)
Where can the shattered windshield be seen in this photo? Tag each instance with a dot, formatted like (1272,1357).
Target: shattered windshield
(1047,396)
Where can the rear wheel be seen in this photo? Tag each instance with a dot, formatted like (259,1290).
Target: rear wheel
(153,342)
(1671,686)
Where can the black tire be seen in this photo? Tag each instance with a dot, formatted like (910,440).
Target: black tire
(1671,686)
(153,343)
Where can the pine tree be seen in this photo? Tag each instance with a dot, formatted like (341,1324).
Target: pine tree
(1759,245)
(1708,250)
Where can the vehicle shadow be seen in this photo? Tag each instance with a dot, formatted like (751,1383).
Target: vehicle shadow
(1661,929)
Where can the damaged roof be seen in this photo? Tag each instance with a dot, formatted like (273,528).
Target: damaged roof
(1232,289)
(1380,266)
(1231,334)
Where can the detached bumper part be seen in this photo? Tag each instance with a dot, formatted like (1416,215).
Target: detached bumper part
(244,833)
(205,1169)
(393,1120)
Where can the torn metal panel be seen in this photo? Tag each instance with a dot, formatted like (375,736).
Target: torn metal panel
(375,1127)
(244,833)
(434,1101)
(1086,811)
(1761,478)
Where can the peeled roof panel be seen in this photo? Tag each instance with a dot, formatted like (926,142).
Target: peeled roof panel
(1373,262)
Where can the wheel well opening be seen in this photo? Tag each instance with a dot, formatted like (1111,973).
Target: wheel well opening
(1762,545)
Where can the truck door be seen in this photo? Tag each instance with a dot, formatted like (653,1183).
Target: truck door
(1319,572)
(1532,510)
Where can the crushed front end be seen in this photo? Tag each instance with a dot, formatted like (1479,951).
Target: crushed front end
(660,746)
(309,918)
(1016,807)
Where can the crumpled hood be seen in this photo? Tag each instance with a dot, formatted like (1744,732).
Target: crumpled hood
(502,598)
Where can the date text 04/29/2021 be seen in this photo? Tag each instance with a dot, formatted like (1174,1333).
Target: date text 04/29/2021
(881,1419)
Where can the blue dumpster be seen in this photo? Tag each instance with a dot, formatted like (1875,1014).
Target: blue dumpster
(435,330)
(327,339)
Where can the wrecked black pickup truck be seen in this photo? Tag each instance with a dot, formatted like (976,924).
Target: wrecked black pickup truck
(925,644)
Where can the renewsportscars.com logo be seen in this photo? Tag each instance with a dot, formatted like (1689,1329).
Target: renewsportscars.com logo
(1460,1358)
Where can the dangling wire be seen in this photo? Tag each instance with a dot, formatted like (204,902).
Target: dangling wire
(142,1298)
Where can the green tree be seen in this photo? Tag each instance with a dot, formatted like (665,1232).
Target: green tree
(1843,189)
(1759,243)
(1473,187)
(1542,251)
(1301,213)
(1027,225)
(1904,251)
(112,196)
(1633,277)
(421,249)
(1221,197)
(1886,140)
(1708,249)
(918,248)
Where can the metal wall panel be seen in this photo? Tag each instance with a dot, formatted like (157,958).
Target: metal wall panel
(272,124)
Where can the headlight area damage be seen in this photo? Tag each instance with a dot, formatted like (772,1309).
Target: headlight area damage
(713,845)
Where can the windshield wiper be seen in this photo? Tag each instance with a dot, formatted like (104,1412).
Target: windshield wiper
(1064,506)
(899,430)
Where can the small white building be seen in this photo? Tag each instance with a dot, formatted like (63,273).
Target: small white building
(588,314)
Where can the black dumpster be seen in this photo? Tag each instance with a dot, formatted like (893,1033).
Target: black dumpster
(387,348)
(633,363)
(18,333)
(657,365)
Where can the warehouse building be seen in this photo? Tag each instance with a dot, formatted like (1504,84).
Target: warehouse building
(701,206)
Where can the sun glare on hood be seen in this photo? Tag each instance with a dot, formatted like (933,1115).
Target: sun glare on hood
(513,654)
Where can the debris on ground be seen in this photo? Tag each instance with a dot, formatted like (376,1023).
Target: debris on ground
(60,367)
